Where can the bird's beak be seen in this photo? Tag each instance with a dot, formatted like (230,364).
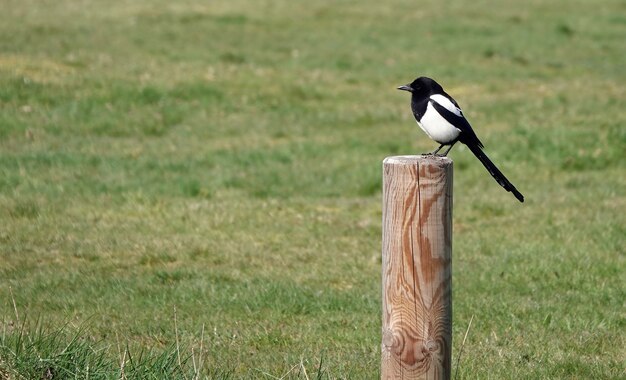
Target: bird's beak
(406,88)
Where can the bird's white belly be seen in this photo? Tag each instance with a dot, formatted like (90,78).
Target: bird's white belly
(437,127)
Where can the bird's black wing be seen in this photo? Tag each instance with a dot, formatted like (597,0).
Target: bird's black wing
(468,136)
(450,111)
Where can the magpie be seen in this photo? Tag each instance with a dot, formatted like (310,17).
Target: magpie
(440,116)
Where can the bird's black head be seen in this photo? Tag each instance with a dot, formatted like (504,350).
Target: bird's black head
(422,86)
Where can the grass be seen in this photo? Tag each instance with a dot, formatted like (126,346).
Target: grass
(221,162)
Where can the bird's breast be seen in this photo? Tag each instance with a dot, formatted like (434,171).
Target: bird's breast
(437,127)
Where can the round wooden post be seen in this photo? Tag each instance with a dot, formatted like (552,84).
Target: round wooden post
(417,268)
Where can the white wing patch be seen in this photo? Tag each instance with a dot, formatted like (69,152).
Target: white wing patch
(447,104)
(437,127)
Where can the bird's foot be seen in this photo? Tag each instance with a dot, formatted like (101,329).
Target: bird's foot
(431,154)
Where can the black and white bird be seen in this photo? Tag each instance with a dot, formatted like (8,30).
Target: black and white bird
(439,115)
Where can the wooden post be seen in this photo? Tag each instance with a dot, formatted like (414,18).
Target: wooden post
(417,268)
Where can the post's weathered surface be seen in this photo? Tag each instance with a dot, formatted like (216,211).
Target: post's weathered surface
(417,268)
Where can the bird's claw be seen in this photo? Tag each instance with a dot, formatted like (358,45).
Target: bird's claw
(434,154)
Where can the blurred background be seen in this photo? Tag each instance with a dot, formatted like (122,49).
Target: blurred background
(193,189)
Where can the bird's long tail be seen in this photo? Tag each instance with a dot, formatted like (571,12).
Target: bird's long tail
(495,172)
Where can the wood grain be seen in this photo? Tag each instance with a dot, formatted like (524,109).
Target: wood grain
(417,268)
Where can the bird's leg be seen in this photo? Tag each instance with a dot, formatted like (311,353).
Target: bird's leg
(446,152)
(434,153)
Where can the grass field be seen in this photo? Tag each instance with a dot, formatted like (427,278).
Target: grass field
(193,189)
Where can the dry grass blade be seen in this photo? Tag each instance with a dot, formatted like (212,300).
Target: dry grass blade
(458,360)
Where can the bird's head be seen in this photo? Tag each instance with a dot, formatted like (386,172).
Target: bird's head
(422,86)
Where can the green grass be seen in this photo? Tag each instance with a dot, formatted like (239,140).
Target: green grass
(220,161)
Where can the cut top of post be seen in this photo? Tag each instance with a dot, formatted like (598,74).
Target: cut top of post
(430,159)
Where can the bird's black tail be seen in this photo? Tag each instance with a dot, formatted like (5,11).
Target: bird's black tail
(495,172)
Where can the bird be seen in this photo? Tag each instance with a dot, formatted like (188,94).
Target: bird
(440,116)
